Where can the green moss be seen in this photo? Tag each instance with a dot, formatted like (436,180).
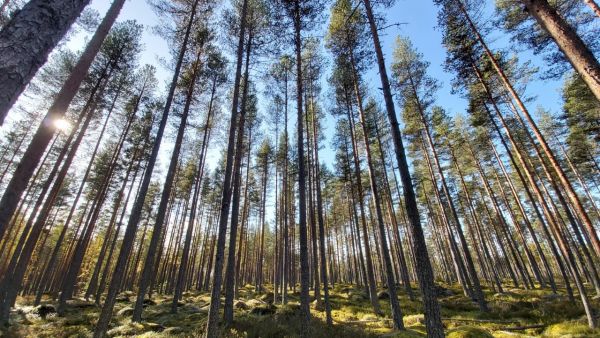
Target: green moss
(412,320)
(506,334)
(570,329)
(352,315)
(407,334)
(468,332)
(128,329)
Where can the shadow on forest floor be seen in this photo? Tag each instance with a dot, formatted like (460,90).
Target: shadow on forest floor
(514,313)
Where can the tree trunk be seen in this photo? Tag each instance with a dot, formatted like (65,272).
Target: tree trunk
(593,6)
(237,172)
(433,319)
(181,275)
(394,221)
(370,271)
(27,40)
(387,262)
(304,268)
(321,222)
(213,313)
(165,196)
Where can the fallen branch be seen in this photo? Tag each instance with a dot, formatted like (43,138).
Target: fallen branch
(482,320)
(361,321)
(521,328)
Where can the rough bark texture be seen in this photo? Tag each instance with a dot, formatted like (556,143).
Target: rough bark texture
(26,41)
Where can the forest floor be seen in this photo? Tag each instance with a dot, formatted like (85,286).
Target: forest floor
(514,313)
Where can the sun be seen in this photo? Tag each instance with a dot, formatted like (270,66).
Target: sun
(62,125)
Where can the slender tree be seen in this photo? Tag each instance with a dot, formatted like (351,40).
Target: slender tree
(424,270)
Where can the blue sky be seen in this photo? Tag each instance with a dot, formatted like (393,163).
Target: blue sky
(418,20)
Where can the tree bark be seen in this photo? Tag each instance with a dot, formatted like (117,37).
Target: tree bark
(27,40)
(593,6)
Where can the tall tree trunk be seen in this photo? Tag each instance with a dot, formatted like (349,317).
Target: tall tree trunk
(27,40)
(241,248)
(387,262)
(311,200)
(261,251)
(320,220)
(304,266)
(181,275)
(394,221)
(237,173)
(433,319)
(166,193)
(213,313)
(370,271)
(302,228)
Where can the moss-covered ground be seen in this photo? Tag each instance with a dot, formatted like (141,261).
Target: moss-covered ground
(514,313)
